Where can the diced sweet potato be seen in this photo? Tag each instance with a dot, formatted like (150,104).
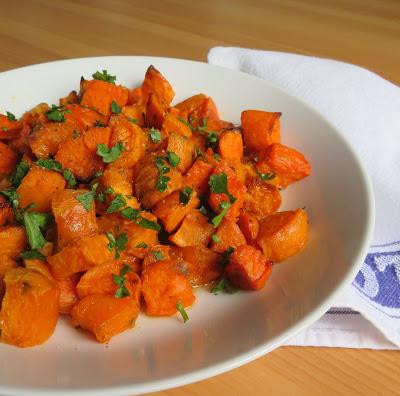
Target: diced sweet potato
(195,230)
(154,82)
(38,187)
(82,118)
(37,115)
(146,178)
(230,146)
(288,164)
(199,264)
(207,110)
(155,112)
(249,226)
(248,269)
(68,297)
(283,234)
(9,129)
(46,139)
(8,160)
(218,125)
(171,210)
(71,98)
(12,241)
(199,174)
(261,199)
(132,138)
(105,315)
(260,129)
(184,148)
(235,188)
(163,287)
(174,123)
(99,280)
(100,94)
(73,220)
(190,104)
(80,256)
(135,112)
(156,253)
(39,266)
(30,308)
(6,212)
(228,234)
(6,263)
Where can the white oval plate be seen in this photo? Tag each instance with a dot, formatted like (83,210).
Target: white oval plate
(224,331)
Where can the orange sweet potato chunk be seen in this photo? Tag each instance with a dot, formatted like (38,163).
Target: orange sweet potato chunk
(195,230)
(99,95)
(8,160)
(248,269)
(288,164)
(80,256)
(228,234)
(184,148)
(30,308)
(9,129)
(171,210)
(68,297)
(249,226)
(6,263)
(261,199)
(73,220)
(260,129)
(105,315)
(283,234)
(38,187)
(230,146)
(187,106)
(155,112)
(83,118)
(6,212)
(12,241)
(155,83)
(163,286)
(156,253)
(198,175)
(136,113)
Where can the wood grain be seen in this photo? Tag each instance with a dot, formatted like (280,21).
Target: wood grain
(363,32)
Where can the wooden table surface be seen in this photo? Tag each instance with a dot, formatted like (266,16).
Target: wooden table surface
(364,32)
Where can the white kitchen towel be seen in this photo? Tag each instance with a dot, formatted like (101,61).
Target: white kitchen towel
(365,108)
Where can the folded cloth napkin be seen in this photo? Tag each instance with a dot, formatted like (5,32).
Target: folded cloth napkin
(366,109)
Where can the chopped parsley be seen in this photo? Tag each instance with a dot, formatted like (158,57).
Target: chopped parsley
(86,199)
(104,76)
(217,219)
(219,185)
(69,177)
(183,121)
(133,120)
(181,310)
(118,243)
(35,223)
(155,135)
(20,171)
(11,116)
(32,254)
(215,238)
(223,286)
(117,203)
(76,134)
(120,281)
(134,214)
(184,195)
(57,114)
(50,164)
(266,176)
(162,182)
(110,155)
(142,245)
(115,108)
(158,255)
(173,159)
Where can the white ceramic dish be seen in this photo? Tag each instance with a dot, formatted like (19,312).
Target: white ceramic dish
(224,331)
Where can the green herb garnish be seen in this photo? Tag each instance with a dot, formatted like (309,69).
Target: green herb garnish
(224,286)
(57,114)
(104,76)
(120,281)
(20,171)
(173,159)
(69,177)
(155,135)
(50,164)
(162,182)
(182,311)
(115,108)
(266,176)
(34,223)
(11,116)
(86,199)
(215,238)
(217,219)
(219,185)
(118,243)
(184,195)
(134,214)
(109,155)
(183,121)
(117,203)
(158,255)
(142,245)
(32,255)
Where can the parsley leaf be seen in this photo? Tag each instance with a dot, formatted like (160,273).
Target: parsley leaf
(142,245)
(266,176)
(19,173)
(215,238)
(149,224)
(48,163)
(11,116)
(130,213)
(86,199)
(12,196)
(182,311)
(76,134)
(134,214)
(133,120)
(109,155)
(158,255)
(120,281)
(118,243)
(219,185)
(69,177)
(117,203)
(32,254)
(173,159)
(34,223)
(183,121)
(223,286)
(227,255)
(162,182)
(115,108)
(104,76)
(57,114)
(184,195)
(155,135)
(217,219)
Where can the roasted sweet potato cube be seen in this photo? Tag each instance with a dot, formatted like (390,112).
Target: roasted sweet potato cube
(12,241)
(132,138)
(154,82)
(37,115)
(235,188)
(190,104)
(135,113)
(260,129)
(199,174)
(230,146)
(283,234)
(9,129)
(38,187)
(261,198)
(249,226)
(80,256)
(73,220)
(6,263)
(174,123)
(8,160)
(199,264)
(39,266)
(71,98)
(155,112)
(6,213)
(228,234)
(171,210)
(156,253)
(184,148)
(100,94)
(163,287)
(29,310)
(207,110)
(105,315)
(288,164)
(195,230)
(68,297)
(82,118)
(248,269)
